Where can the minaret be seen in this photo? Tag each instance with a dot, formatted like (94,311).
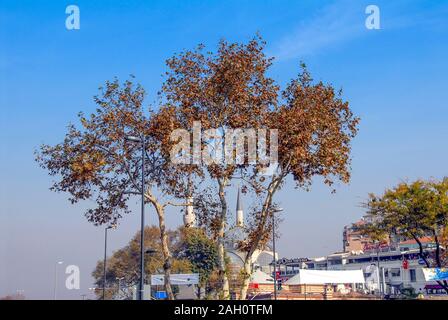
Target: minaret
(189,217)
(239,210)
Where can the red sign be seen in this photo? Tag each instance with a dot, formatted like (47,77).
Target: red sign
(253,285)
(374,246)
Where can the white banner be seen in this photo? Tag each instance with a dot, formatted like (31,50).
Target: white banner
(176,279)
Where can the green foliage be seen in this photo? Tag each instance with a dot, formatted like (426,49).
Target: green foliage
(200,251)
(412,211)
(124,263)
(408,293)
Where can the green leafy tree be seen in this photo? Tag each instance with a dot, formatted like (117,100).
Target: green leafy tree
(412,211)
(201,252)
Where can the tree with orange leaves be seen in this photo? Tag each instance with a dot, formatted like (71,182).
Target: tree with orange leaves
(230,89)
(315,127)
(223,90)
(96,162)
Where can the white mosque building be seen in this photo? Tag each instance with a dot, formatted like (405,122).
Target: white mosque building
(261,258)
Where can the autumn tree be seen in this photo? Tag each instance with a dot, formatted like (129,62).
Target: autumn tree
(124,264)
(412,211)
(224,90)
(96,162)
(230,90)
(315,127)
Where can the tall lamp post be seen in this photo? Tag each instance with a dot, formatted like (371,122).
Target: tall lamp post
(105,259)
(273,250)
(142,224)
(55,293)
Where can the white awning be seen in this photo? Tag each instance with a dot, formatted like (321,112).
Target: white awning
(261,278)
(306,276)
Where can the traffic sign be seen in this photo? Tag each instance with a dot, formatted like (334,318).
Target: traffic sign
(161,295)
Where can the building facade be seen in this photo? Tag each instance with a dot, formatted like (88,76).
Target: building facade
(389,268)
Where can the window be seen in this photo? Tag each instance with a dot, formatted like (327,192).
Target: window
(412,275)
(395,272)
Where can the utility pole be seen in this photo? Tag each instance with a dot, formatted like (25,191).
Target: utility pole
(105,260)
(141,288)
(142,225)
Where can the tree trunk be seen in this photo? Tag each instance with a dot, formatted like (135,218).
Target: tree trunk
(421,253)
(166,251)
(436,239)
(443,284)
(198,292)
(246,280)
(160,210)
(225,290)
(261,228)
(248,261)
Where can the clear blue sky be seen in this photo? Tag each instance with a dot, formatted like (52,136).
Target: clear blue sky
(394,78)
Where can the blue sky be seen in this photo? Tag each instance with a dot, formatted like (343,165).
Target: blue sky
(394,79)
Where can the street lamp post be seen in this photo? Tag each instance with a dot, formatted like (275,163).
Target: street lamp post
(55,293)
(273,250)
(142,224)
(105,259)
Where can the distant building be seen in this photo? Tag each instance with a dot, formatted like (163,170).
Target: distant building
(388,267)
(261,258)
(189,216)
(354,241)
